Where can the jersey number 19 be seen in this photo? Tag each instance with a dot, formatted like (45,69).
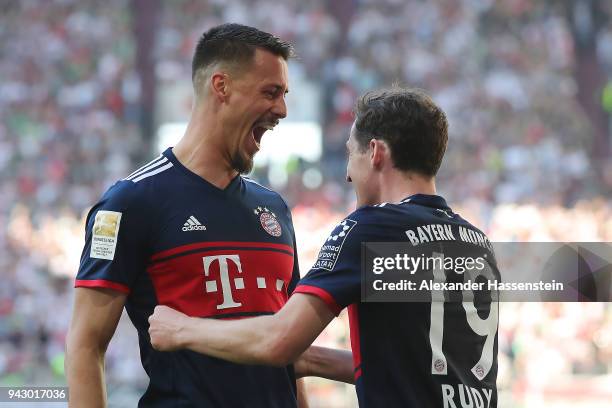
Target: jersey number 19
(482,327)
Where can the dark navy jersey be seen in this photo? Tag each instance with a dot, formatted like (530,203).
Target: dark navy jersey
(432,353)
(165,236)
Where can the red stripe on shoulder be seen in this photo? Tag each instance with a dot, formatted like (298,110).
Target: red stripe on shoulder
(322,294)
(101,283)
(202,245)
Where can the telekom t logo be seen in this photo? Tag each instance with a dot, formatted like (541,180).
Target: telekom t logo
(262,282)
(226,287)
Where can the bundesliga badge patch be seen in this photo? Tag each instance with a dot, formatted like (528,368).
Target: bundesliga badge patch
(268,221)
(104,235)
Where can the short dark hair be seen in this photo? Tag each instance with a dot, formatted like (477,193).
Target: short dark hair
(412,125)
(235,43)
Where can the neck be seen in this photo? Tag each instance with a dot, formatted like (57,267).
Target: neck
(396,186)
(201,149)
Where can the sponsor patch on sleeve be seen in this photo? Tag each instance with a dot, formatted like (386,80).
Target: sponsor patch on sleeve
(333,245)
(104,235)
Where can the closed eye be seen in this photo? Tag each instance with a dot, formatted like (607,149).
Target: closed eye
(275,92)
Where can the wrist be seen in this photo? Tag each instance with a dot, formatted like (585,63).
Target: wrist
(183,334)
(303,365)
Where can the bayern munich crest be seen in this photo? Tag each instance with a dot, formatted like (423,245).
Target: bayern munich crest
(268,221)
(439,365)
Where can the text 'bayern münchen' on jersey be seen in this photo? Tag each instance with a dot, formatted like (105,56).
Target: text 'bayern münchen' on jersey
(410,354)
(165,236)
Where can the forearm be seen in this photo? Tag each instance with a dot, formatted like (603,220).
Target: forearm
(85,375)
(275,340)
(327,363)
(246,341)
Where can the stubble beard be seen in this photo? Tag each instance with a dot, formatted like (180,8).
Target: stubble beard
(241,164)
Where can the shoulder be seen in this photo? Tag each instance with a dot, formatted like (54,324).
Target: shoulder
(145,184)
(258,188)
(381,222)
(404,214)
(356,225)
(373,214)
(465,223)
(264,191)
(125,197)
(151,169)
(149,183)
(123,193)
(122,204)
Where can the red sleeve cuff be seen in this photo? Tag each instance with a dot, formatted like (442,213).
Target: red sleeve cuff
(101,283)
(321,294)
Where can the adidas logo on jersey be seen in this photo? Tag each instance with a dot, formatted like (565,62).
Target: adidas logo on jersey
(192,224)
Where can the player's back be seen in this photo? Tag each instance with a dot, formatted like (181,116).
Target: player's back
(440,348)
(435,353)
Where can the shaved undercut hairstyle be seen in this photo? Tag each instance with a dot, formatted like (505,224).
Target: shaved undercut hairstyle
(233,46)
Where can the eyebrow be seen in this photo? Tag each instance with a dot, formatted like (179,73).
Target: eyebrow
(278,87)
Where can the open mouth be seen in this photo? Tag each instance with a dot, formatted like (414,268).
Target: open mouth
(258,131)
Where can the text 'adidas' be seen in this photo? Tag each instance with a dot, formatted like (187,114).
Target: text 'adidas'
(192,224)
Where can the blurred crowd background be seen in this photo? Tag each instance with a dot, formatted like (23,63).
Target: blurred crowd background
(527,86)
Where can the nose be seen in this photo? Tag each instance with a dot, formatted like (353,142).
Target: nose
(280,108)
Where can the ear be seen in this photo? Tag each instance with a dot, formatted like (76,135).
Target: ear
(219,84)
(378,151)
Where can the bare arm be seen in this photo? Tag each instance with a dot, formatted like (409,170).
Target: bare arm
(333,364)
(276,340)
(94,320)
